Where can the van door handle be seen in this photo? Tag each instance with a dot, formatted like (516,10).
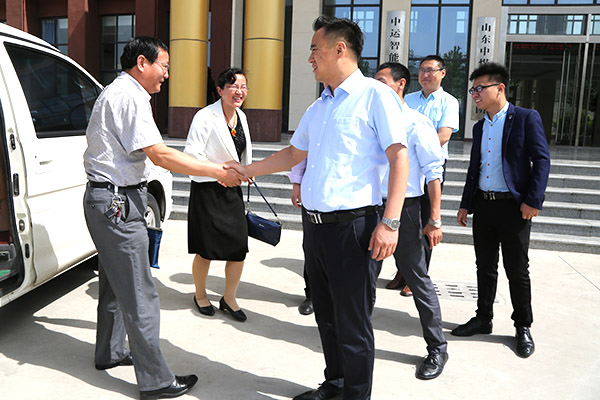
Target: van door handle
(45,162)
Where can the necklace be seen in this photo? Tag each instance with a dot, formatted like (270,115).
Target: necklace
(232,128)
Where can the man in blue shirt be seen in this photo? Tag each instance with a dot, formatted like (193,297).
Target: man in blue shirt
(350,135)
(442,109)
(506,181)
(426,167)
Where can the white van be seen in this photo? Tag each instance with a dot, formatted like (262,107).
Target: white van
(45,103)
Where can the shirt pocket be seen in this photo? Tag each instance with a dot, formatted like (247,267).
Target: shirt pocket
(350,132)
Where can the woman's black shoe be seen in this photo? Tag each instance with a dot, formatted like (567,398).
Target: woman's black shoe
(207,310)
(239,314)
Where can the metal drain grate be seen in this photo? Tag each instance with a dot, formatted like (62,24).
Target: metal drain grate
(457,291)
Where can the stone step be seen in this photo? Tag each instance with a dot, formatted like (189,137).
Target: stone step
(565,195)
(570,220)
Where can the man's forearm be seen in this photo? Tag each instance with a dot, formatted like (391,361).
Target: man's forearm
(397,181)
(280,161)
(434,188)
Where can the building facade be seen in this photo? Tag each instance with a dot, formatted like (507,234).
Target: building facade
(551,48)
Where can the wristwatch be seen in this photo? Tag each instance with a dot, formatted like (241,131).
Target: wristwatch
(437,223)
(393,224)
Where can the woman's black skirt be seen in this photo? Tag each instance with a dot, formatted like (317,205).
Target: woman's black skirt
(217,228)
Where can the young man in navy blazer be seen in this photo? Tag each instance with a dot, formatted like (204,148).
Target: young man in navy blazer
(506,181)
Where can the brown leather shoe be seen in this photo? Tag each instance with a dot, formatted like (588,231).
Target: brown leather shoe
(406,292)
(396,283)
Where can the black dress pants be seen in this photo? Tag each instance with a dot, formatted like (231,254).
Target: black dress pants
(342,277)
(495,223)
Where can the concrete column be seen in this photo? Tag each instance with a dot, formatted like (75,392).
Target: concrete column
(482,8)
(263,65)
(189,60)
(220,36)
(304,89)
(84,34)
(16,14)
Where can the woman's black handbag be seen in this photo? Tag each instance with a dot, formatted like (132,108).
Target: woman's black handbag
(261,228)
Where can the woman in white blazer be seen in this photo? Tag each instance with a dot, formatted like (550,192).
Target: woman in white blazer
(217,227)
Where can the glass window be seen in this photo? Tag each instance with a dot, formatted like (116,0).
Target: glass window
(453,29)
(595,29)
(56,32)
(116,31)
(441,27)
(60,97)
(514,2)
(423,31)
(575,2)
(366,13)
(541,2)
(528,24)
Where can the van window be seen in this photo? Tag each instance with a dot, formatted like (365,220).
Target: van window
(60,96)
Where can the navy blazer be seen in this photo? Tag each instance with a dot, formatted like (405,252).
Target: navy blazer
(525,158)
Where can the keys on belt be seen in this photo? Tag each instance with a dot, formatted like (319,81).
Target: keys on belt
(318,218)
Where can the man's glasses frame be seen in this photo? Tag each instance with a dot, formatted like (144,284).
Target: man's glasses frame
(479,88)
(429,70)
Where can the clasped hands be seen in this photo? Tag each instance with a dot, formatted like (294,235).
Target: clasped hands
(233,174)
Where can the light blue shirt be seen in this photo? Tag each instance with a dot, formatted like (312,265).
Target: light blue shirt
(440,107)
(425,155)
(346,136)
(491,177)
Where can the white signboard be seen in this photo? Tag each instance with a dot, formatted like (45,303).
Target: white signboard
(394,38)
(486,34)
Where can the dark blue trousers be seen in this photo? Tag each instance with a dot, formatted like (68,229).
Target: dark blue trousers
(342,277)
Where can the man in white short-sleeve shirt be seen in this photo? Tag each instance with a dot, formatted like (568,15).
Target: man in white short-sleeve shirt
(121,136)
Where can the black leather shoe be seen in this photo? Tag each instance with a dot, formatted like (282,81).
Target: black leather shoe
(432,366)
(525,345)
(238,315)
(475,325)
(124,362)
(180,385)
(324,392)
(206,310)
(306,308)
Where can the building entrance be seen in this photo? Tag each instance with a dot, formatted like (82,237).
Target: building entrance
(562,82)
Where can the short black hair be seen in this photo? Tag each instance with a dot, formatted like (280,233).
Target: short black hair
(434,57)
(146,46)
(228,76)
(344,29)
(497,72)
(397,71)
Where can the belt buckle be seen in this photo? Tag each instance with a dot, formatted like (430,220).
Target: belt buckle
(489,195)
(314,217)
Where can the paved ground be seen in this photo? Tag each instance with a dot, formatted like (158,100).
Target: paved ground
(47,336)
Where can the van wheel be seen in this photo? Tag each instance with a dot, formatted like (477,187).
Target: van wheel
(152,215)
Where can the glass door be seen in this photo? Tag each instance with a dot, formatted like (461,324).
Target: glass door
(562,82)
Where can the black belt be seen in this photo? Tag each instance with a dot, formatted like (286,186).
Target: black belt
(110,186)
(495,195)
(316,217)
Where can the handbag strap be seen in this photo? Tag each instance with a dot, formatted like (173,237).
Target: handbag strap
(263,196)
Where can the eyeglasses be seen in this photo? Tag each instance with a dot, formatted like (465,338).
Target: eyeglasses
(479,88)
(236,88)
(429,70)
(163,65)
